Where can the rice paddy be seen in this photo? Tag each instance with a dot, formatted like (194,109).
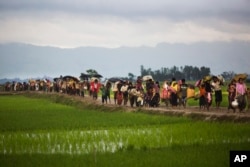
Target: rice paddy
(105,141)
(53,133)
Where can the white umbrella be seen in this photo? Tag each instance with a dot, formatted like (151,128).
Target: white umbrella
(220,77)
(147,77)
(93,79)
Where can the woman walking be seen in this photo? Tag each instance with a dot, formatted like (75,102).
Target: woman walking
(241,90)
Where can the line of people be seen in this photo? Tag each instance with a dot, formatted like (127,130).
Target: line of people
(238,93)
(175,93)
(147,92)
(144,92)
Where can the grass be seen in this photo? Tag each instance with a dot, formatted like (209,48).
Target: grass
(26,114)
(214,155)
(51,130)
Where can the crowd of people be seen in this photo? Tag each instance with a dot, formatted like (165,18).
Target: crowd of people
(176,93)
(147,92)
(238,93)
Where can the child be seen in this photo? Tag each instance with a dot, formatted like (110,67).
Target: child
(119,97)
(231,94)
(165,93)
(208,96)
(202,99)
(104,94)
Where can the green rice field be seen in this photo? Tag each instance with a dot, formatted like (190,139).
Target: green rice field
(54,130)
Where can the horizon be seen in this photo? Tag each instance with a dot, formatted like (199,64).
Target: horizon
(102,36)
(28,61)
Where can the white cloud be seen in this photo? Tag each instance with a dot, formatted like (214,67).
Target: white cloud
(112,23)
(110,31)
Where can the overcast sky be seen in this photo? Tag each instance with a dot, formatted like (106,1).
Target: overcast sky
(119,23)
(114,23)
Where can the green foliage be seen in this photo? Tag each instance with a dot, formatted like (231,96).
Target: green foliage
(187,72)
(216,155)
(38,130)
(66,113)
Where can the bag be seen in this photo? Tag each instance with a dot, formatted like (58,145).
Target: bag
(235,103)
(197,83)
(190,93)
(164,94)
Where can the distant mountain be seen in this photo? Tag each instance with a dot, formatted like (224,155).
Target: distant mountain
(27,61)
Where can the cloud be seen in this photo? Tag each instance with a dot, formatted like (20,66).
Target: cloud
(136,8)
(112,23)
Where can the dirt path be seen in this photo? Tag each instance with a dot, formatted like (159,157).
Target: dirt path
(194,112)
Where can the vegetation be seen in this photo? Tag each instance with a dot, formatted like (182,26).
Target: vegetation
(53,130)
(187,72)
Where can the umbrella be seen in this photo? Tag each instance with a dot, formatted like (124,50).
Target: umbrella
(220,77)
(92,79)
(97,75)
(56,79)
(147,77)
(84,76)
(207,78)
(238,76)
(114,79)
(68,77)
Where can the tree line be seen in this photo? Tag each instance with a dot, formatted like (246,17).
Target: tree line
(190,73)
(187,72)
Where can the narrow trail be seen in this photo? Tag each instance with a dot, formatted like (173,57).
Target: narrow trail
(214,114)
(193,112)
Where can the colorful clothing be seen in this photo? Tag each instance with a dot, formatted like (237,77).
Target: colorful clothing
(240,88)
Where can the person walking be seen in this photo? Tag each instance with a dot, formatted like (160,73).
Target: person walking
(124,90)
(95,88)
(174,91)
(165,93)
(208,90)
(104,94)
(241,90)
(231,94)
(183,91)
(216,85)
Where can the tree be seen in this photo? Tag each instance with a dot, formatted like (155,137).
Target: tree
(187,72)
(84,76)
(91,72)
(196,73)
(228,75)
(131,76)
(204,71)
